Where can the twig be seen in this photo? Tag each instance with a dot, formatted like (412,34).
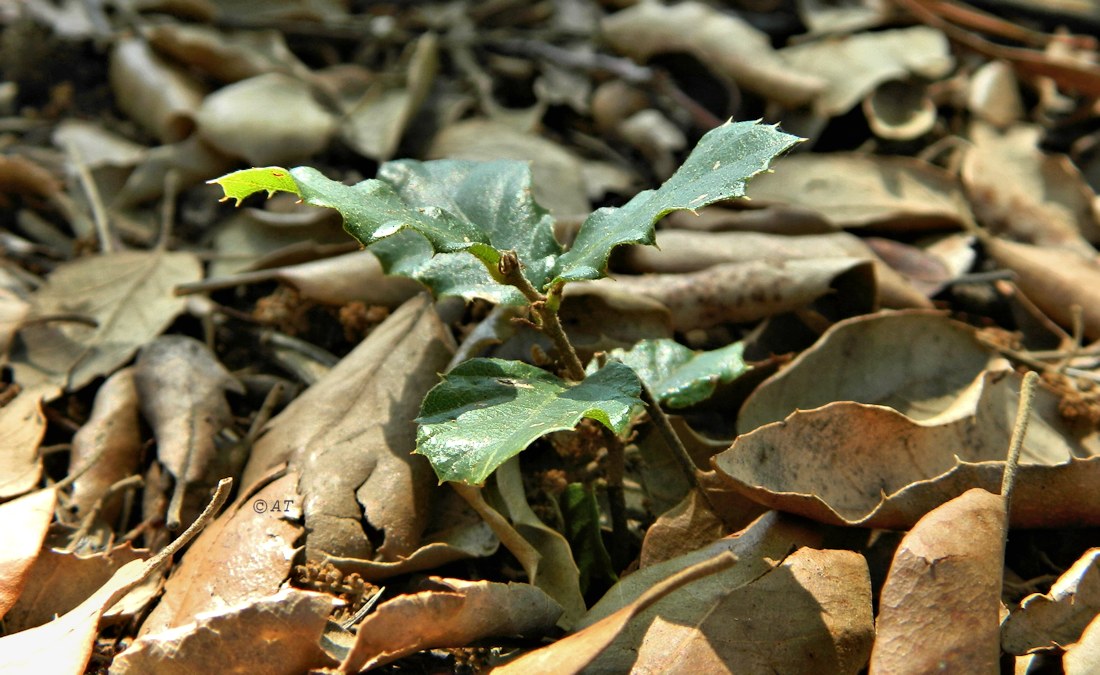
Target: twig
(1023,416)
(99,213)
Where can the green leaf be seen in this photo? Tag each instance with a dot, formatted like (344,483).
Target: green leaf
(269,179)
(581,513)
(718,168)
(678,376)
(488,410)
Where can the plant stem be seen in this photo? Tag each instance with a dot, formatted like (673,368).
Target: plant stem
(672,439)
(512,273)
(1023,416)
(616,469)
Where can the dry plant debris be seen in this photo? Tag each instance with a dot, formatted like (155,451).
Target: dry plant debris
(835,502)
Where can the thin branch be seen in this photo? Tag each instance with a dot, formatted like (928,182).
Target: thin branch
(1023,416)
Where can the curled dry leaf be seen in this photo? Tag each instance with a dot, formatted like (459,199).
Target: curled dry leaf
(182,388)
(943,591)
(1055,280)
(686,251)
(128,294)
(872,466)
(862,359)
(290,622)
(22,427)
(1020,192)
(350,437)
(23,524)
(107,448)
(454,614)
(854,65)
(237,120)
(59,581)
(255,543)
(850,190)
(153,92)
(723,41)
(227,56)
(749,291)
(1060,616)
(900,110)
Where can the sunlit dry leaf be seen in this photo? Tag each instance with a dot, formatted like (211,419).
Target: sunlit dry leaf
(574,652)
(1055,280)
(23,525)
(688,251)
(182,388)
(22,427)
(556,171)
(107,448)
(275,634)
(60,581)
(96,146)
(1083,657)
(1060,616)
(749,291)
(1020,192)
(943,591)
(722,41)
(857,190)
(915,362)
(244,555)
(869,465)
(156,94)
(454,615)
(810,612)
(854,65)
(129,295)
(993,94)
(375,124)
(238,120)
(350,437)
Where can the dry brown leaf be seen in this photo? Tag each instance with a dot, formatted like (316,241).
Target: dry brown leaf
(13,311)
(854,65)
(454,614)
(859,190)
(156,94)
(871,466)
(22,176)
(59,581)
(1083,657)
(915,362)
(22,427)
(943,591)
(557,173)
(810,613)
(23,525)
(374,125)
(1060,616)
(574,652)
(96,146)
(244,555)
(237,120)
(65,644)
(188,162)
(687,251)
(182,388)
(129,295)
(723,41)
(227,56)
(1020,192)
(1055,280)
(350,437)
(272,635)
(901,110)
(993,94)
(107,448)
(749,291)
